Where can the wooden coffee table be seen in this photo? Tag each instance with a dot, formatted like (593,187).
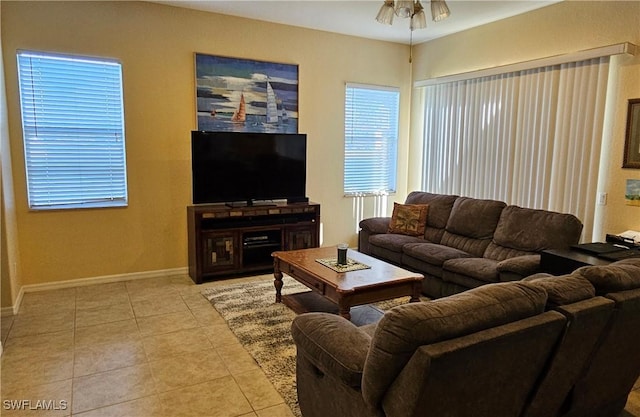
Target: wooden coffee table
(381,282)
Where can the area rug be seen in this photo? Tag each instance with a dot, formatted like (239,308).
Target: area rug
(263,327)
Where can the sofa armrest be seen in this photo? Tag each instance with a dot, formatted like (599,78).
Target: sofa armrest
(333,344)
(369,227)
(518,267)
(375,225)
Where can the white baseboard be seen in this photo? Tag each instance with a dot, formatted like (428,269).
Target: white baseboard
(7,311)
(81,282)
(13,310)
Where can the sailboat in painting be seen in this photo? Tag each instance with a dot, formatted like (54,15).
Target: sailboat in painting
(272,105)
(239,116)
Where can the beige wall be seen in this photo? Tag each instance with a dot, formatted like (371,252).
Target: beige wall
(155,44)
(562,28)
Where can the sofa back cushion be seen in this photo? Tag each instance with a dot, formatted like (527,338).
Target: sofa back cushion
(615,359)
(404,328)
(440,206)
(563,290)
(471,224)
(587,319)
(485,374)
(619,276)
(532,230)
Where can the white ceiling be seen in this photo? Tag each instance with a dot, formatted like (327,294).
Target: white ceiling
(357,17)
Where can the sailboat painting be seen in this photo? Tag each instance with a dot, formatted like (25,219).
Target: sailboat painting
(241,95)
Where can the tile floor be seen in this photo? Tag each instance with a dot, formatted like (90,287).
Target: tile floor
(151,347)
(144,348)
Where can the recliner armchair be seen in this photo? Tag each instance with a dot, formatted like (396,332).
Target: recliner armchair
(477,353)
(614,366)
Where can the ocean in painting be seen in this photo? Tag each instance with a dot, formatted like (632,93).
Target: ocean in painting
(253,123)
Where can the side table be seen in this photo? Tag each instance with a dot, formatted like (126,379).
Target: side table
(565,261)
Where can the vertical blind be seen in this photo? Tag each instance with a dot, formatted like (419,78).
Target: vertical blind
(73,128)
(371,139)
(530,138)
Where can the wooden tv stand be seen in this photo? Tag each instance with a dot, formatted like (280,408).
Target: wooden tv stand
(227,240)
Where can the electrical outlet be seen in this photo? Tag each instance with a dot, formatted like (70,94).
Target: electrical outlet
(602,199)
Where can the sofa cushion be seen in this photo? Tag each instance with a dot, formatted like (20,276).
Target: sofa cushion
(432,252)
(474,218)
(618,276)
(536,230)
(500,253)
(408,219)
(439,206)
(454,283)
(389,256)
(439,210)
(519,266)
(404,328)
(392,241)
(565,289)
(471,225)
(425,268)
(482,269)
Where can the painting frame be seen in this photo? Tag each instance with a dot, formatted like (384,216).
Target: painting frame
(632,193)
(632,136)
(245,95)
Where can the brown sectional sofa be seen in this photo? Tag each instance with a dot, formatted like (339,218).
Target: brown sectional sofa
(544,346)
(470,242)
(602,384)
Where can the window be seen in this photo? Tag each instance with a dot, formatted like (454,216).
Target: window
(73,129)
(370,139)
(530,138)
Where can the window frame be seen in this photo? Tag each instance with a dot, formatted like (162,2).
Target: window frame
(385,130)
(75,155)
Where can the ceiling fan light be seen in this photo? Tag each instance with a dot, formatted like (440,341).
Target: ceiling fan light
(439,10)
(386,13)
(404,8)
(418,20)
(414,10)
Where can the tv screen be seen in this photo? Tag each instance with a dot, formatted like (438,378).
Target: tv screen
(230,167)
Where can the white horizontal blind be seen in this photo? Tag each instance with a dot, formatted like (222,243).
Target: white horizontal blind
(371,139)
(73,128)
(530,138)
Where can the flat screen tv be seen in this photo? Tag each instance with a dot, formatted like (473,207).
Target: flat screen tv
(234,167)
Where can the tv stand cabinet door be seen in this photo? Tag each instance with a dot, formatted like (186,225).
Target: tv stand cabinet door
(219,251)
(302,237)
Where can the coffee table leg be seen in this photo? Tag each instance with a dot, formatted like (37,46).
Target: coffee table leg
(417,289)
(277,282)
(344,309)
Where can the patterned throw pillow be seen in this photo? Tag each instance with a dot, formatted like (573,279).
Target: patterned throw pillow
(409,219)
